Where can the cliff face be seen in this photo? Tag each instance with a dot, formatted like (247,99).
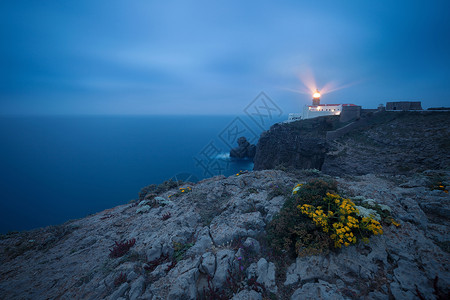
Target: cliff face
(300,145)
(389,143)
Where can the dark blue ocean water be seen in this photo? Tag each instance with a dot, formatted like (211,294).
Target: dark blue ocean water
(57,168)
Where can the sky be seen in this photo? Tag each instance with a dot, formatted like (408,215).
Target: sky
(215,57)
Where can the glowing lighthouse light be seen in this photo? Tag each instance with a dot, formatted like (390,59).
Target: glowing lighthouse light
(316,94)
(316,98)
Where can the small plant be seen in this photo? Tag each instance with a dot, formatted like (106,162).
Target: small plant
(277,190)
(171,266)
(438,182)
(120,249)
(181,191)
(185,190)
(122,278)
(241,172)
(252,190)
(152,190)
(440,186)
(180,250)
(151,265)
(166,216)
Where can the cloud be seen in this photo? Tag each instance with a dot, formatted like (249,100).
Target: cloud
(209,57)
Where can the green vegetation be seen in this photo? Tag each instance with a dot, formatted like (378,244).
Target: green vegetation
(316,220)
(180,250)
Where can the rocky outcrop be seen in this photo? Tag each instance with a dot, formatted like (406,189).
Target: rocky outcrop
(393,143)
(382,143)
(216,230)
(244,149)
(299,145)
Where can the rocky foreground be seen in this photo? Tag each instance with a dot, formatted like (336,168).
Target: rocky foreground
(209,237)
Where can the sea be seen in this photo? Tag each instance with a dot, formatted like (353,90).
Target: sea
(57,168)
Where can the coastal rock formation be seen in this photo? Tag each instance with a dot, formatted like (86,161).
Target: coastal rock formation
(392,143)
(298,145)
(188,247)
(382,143)
(244,149)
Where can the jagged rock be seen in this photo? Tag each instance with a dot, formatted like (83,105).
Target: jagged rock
(399,293)
(247,295)
(184,287)
(252,245)
(378,296)
(202,244)
(131,276)
(208,264)
(314,291)
(226,228)
(185,275)
(266,274)
(147,295)
(244,149)
(224,259)
(155,251)
(120,291)
(137,287)
(408,275)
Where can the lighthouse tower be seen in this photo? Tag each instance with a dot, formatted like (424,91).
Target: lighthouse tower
(316,98)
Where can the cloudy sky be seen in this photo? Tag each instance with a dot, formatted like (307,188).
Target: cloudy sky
(214,57)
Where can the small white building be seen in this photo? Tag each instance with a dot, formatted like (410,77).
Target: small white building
(317,109)
(312,111)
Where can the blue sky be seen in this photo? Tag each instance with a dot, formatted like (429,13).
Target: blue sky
(214,57)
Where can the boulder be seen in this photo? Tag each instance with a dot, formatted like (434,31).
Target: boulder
(247,295)
(265,272)
(316,291)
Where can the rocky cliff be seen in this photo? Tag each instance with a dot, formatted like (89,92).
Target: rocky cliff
(386,142)
(298,145)
(208,241)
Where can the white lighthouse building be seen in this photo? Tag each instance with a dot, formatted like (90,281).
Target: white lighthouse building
(317,109)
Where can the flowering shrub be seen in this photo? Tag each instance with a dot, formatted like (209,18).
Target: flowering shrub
(316,219)
(342,220)
(293,232)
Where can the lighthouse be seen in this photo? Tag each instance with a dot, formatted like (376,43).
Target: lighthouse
(319,110)
(316,98)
